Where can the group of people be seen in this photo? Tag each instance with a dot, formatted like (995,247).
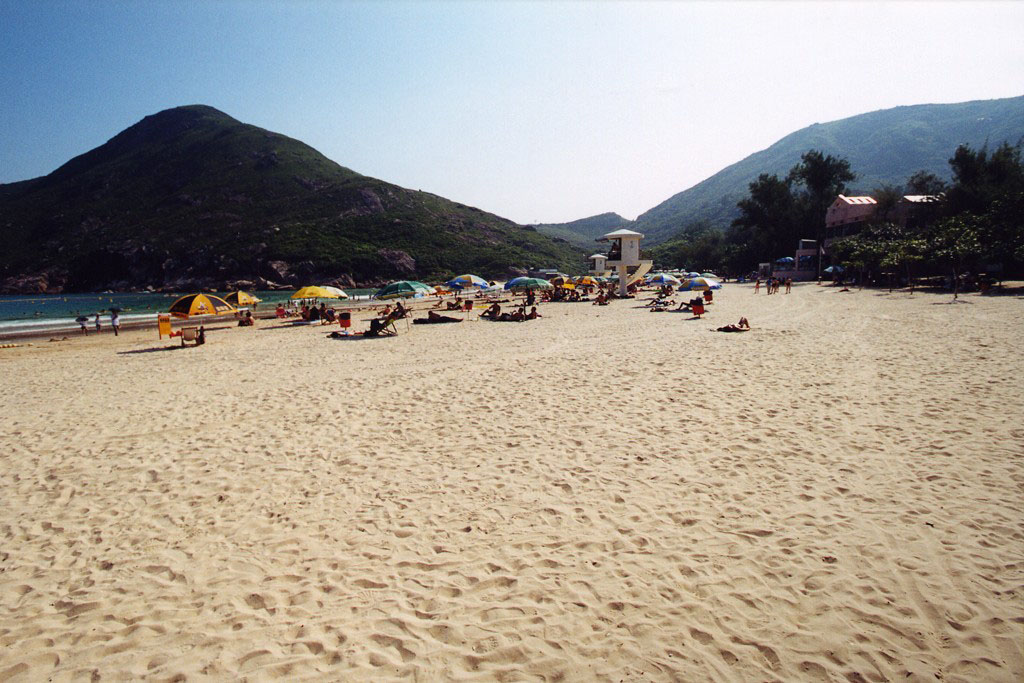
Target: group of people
(772,285)
(115,322)
(495,313)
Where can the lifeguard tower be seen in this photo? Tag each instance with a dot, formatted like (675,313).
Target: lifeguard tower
(597,265)
(625,255)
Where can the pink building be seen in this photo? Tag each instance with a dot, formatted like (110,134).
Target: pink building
(846,216)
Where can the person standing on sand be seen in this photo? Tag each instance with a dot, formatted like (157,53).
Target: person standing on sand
(789,284)
(97,321)
(115,321)
(757,285)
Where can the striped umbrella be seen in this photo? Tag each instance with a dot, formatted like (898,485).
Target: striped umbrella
(700,284)
(524,283)
(663,279)
(466,281)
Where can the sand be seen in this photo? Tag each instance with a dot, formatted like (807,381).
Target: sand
(602,494)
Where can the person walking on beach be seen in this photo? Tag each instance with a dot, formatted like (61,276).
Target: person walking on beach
(757,285)
(115,321)
(97,321)
(789,284)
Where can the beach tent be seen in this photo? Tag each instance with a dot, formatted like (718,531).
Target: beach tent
(200,304)
(466,281)
(317,292)
(241,298)
(403,288)
(524,283)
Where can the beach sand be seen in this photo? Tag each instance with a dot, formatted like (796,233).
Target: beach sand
(602,494)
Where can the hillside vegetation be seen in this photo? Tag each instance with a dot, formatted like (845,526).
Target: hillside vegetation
(192,197)
(884,147)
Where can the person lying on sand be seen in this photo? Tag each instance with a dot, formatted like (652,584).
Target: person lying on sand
(741,326)
(435,317)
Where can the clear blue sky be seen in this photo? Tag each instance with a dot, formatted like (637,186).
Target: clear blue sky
(537,111)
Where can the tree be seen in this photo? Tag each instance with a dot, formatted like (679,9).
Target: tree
(822,177)
(925,183)
(767,219)
(955,240)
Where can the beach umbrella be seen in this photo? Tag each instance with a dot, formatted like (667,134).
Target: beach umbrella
(588,281)
(834,269)
(468,280)
(699,284)
(692,275)
(403,288)
(200,304)
(338,293)
(241,298)
(523,283)
(711,275)
(785,259)
(562,281)
(314,292)
(663,279)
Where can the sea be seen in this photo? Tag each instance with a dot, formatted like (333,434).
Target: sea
(44,314)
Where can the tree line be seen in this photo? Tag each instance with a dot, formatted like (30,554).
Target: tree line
(977,222)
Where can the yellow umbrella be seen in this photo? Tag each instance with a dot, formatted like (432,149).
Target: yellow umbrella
(200,304)
(587,281)
(562,281)
(241,298)
(314,293)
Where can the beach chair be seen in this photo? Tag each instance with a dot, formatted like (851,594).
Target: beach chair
(698,310)
(163,326)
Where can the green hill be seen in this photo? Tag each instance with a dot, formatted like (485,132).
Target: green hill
(883,147)
(583,232)
(191,197)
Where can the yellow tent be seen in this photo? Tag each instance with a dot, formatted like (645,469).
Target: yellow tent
(200,304)
(241,298)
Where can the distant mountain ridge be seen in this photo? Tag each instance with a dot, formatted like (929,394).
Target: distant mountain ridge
(583,232)
(883,147)
(190,197)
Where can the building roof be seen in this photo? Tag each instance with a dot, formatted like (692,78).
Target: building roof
(619,234)
(855,200)
(597,256)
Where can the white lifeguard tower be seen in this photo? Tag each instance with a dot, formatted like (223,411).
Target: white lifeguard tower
(597,265)
(625,254)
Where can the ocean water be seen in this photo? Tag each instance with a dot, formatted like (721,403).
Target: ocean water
(56,313)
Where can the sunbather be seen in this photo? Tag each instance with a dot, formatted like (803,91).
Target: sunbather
(741,326)
(435,317)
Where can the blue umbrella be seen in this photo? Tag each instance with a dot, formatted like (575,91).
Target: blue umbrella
(785,259)
(834,269)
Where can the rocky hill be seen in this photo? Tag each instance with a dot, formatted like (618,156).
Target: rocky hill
(191,198)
